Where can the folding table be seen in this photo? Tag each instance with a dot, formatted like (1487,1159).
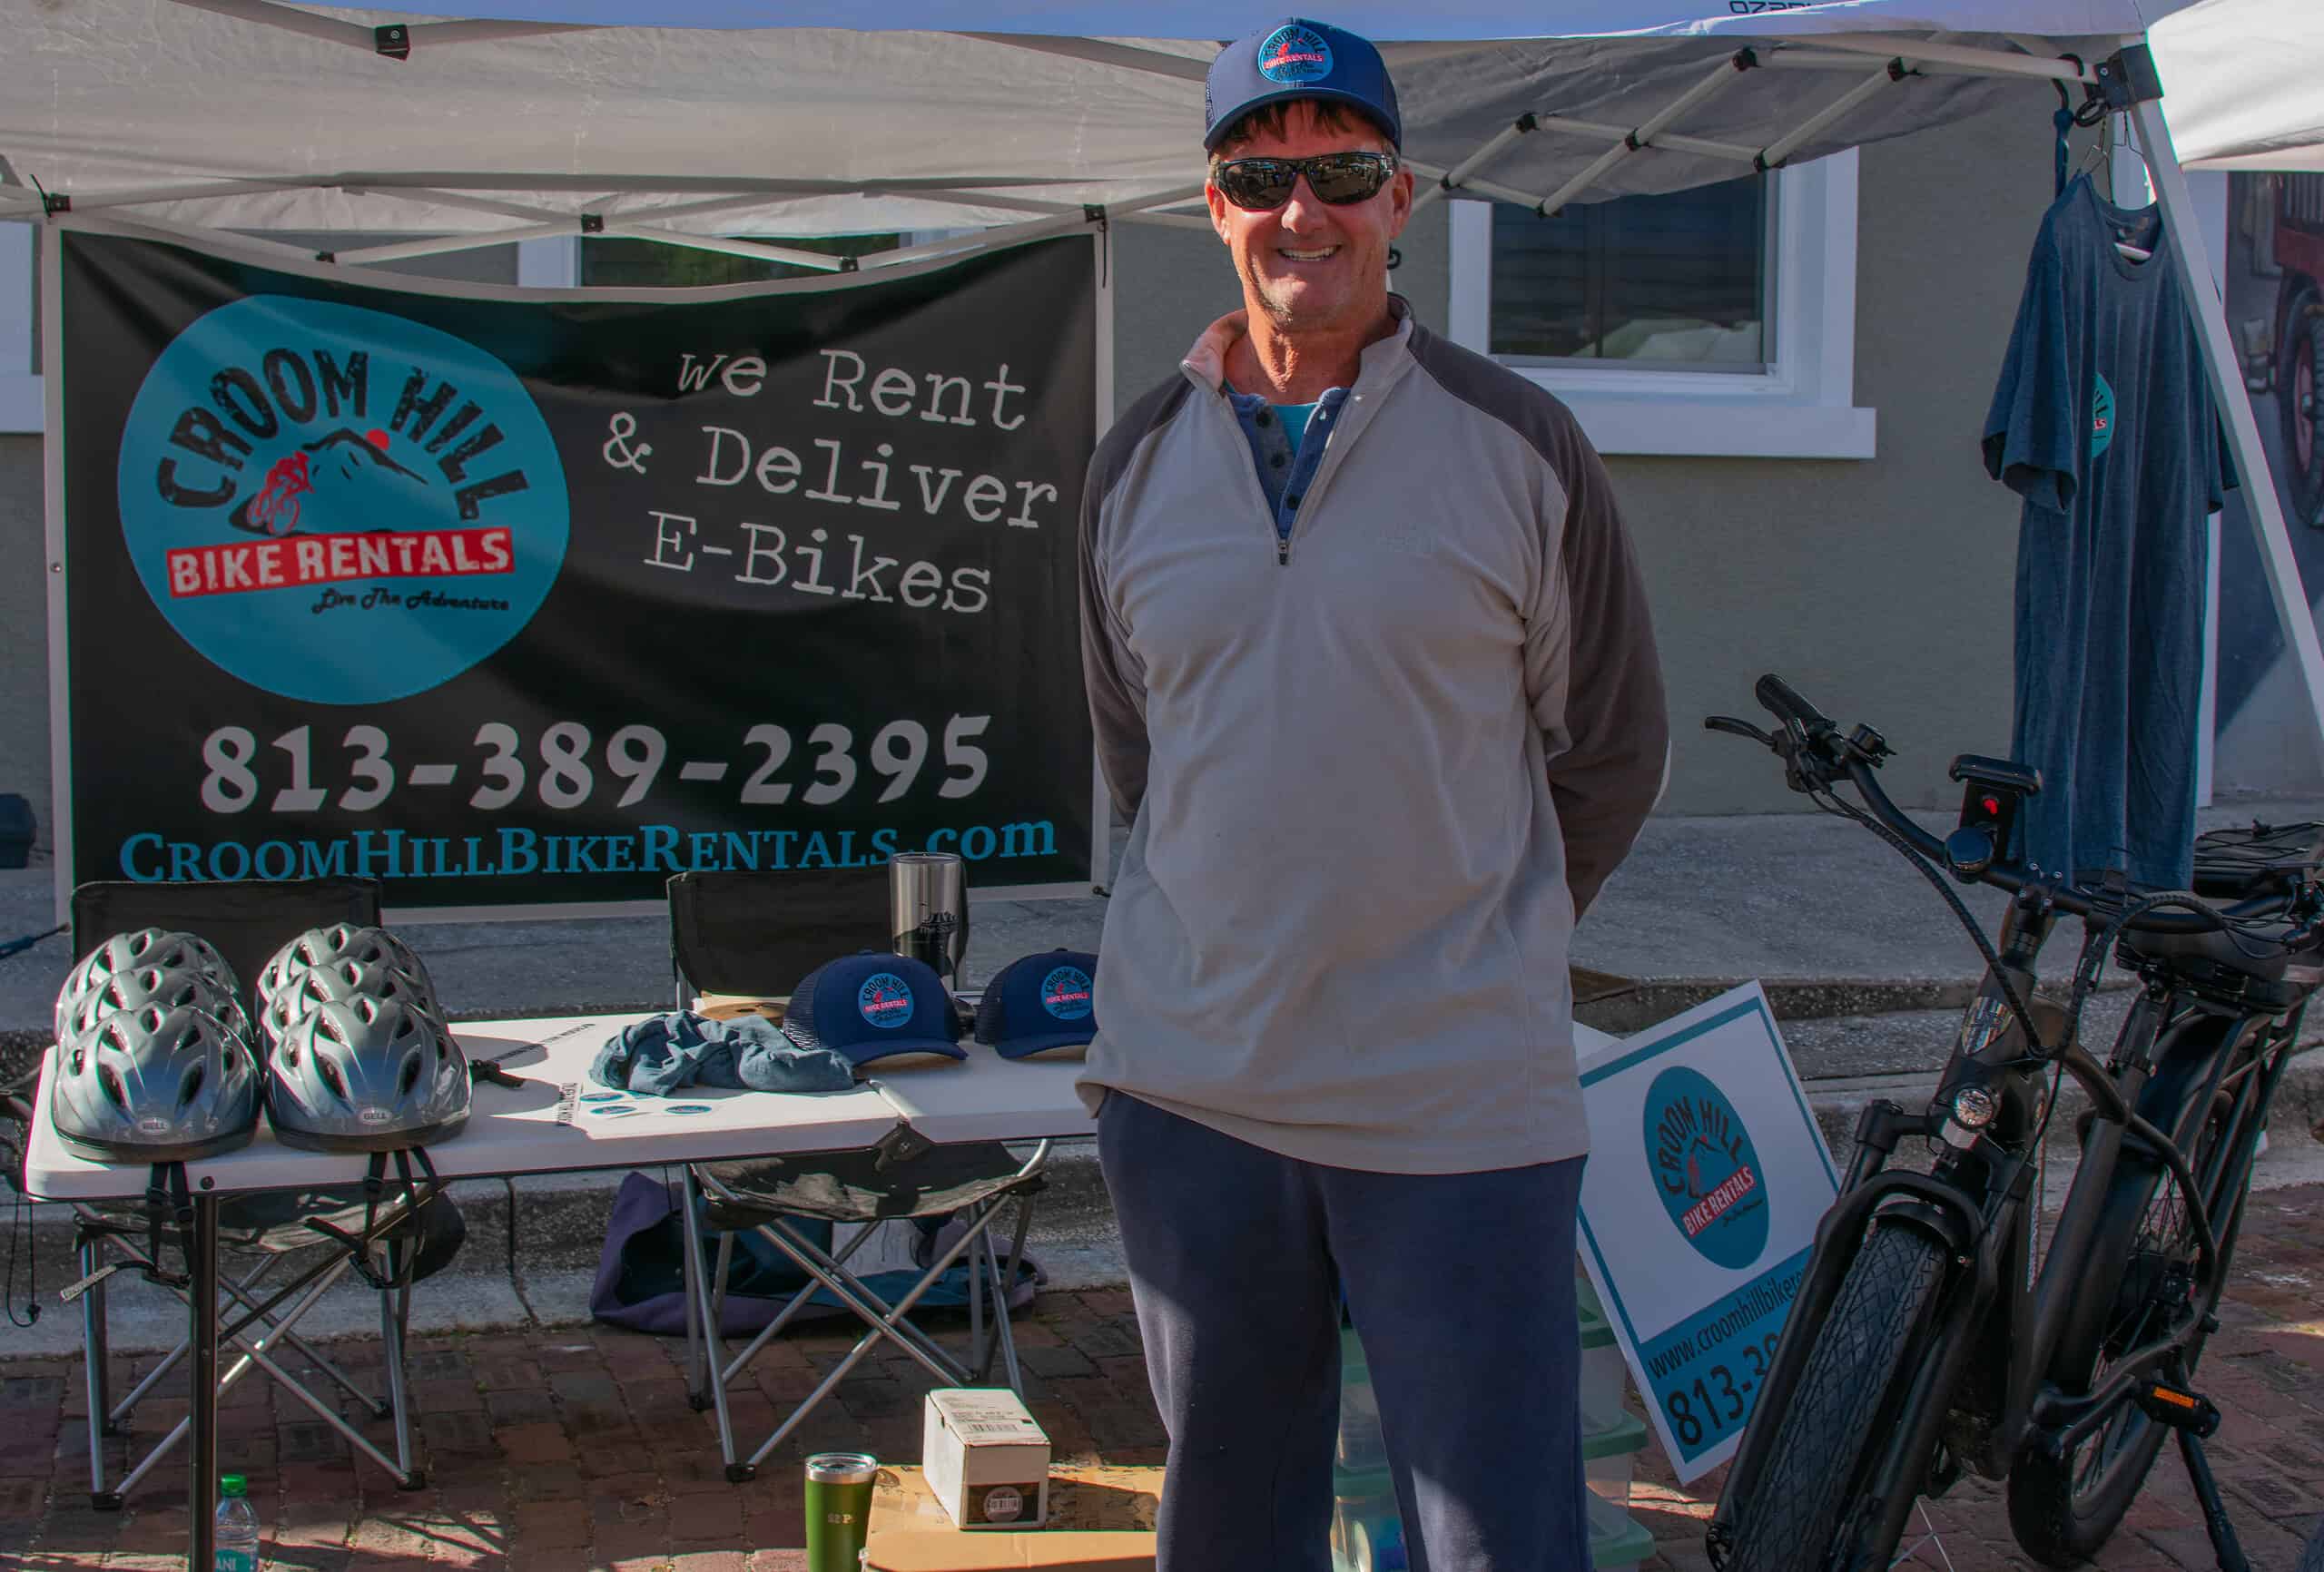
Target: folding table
(559,1121)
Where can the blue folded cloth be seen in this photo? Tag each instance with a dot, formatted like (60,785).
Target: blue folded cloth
(666,1053)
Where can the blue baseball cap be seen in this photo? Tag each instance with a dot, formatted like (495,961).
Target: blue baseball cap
(1296,58)
(872,1005)
(1040,1002)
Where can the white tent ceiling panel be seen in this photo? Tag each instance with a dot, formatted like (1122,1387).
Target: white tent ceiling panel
(1379,19)
(113,96)
(2243,83)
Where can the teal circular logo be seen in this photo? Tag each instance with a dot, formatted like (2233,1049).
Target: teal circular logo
(884,1000)
(1064,994)
(1293,53)
(336,505)
(2101,416)
(1705,1168)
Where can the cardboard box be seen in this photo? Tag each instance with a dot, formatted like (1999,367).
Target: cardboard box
(986,1459)
(1101,1520)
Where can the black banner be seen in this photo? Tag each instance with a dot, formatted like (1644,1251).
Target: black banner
(513,600)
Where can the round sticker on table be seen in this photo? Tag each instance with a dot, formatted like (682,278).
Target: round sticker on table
(1705,1168)
(884,1000)
(1064,994)
(687,1108)
(601,1097)
(338,504)
(613,1111)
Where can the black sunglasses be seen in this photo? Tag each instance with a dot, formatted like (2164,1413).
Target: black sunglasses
(1338,179)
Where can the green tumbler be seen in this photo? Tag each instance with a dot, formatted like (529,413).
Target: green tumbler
(838,1510)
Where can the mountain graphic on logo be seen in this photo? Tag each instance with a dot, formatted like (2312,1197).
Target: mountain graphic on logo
(343,482)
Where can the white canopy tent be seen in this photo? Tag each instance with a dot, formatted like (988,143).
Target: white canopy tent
(688,121)
(550,118)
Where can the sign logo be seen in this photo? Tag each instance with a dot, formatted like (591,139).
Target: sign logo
(338,504)
(1293,53)
(2101,417)
(1706,1169)
(1003,1504)
(884,1000)
(1064,994)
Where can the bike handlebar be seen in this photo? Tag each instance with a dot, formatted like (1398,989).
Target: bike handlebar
(1781,699)
(1816,756)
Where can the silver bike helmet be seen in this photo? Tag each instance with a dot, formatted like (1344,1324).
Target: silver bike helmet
(143,949)
(153,1085)
(340,982)
(163,988)
(366,1074)
(341,941)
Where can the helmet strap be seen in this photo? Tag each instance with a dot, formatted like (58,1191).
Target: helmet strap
(167,1197)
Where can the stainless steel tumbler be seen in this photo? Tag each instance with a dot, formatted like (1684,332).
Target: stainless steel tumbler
(929,905)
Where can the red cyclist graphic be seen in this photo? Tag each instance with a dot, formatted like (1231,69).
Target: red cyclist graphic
(275,509)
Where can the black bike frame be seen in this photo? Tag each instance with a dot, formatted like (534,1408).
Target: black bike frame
(1992,1314)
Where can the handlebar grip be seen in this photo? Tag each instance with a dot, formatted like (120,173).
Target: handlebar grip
(1783,703)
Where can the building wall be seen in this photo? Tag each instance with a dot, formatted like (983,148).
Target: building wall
(24,630)
(1882,588)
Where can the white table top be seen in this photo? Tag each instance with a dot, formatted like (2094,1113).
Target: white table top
(561,1120)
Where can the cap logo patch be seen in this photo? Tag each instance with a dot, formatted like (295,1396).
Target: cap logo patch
(884,1000)
(1293,53)
(1065,993)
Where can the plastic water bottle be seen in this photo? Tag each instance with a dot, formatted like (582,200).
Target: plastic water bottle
(237,1534)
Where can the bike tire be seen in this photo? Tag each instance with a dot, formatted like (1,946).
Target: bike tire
(1848,1385)
(2062,1510)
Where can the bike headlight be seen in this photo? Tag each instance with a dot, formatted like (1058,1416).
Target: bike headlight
(1974,1107)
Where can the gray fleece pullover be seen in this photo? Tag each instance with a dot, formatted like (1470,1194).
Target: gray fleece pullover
(1374,772)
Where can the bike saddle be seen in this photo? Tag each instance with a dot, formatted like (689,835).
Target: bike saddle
(2211,952)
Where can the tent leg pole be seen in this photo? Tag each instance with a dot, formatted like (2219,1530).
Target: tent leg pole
(2260,501)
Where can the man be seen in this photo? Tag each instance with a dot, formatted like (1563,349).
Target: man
(1371,672)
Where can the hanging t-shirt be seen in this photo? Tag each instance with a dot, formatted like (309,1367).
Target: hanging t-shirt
(2104,423)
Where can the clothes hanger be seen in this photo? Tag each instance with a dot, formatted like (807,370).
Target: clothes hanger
(2101,154)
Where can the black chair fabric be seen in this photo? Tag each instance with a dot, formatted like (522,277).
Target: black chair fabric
(245,920)
(273,1223)
(850,1186)
(761,932)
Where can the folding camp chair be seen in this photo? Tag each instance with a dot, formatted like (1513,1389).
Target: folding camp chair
(246,922)
(760,933)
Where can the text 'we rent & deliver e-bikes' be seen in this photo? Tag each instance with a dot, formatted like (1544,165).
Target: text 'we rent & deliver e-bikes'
(1932,1335)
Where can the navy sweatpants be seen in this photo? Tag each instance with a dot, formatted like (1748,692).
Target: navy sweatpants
(1462,1288)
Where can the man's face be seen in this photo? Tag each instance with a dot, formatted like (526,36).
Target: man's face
(1306,264)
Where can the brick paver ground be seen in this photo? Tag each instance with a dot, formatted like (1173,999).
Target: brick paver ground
(570,1448)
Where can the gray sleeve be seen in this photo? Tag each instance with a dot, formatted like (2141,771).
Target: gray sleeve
(1610,735)
(1110,669)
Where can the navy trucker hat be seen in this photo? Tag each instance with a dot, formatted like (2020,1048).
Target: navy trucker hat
(1296,58)
(1040,1002)
(870,1004)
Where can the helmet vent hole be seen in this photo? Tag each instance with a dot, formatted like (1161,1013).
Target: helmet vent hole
(111,1082)
(411,1077)
(330,1073)
(191,1088)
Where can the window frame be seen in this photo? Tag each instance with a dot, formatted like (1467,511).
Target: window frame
(1800,407)
(23,407)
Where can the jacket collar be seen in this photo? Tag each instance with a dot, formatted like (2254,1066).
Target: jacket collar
(1205,364)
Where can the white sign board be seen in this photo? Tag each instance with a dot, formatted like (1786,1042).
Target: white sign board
(1706,1180)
